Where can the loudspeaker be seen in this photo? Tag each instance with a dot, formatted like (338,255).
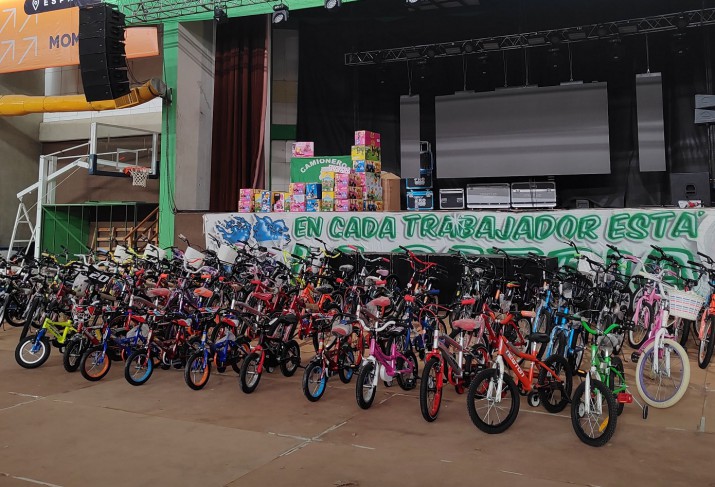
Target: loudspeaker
(102,57)
(688,186)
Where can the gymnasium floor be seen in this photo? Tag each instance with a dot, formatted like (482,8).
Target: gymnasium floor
(56,429)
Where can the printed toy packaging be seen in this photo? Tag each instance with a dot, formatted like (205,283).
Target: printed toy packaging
(245,206)
(297,188)
(365,137)
(342,205)
(314,191)
(312,205)
(303,149)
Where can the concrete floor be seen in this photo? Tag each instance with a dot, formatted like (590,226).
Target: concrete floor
(56,429)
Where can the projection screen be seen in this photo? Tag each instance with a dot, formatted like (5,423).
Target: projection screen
(524,132)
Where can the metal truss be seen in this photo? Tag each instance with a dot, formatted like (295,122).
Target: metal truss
(554,37)
(152,11)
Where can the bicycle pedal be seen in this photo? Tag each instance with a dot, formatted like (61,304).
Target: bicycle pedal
(581,373)
(624,398)
(635,356)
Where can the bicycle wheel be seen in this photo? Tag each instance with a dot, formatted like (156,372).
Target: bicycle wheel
(365,388)
(680,330)
(639,334)
(617,381)
(15,309)
(705,350)
(555,391)
(596,427)
(314,381)
(250,377)
(666,387)
(31,353)
(346,364)
(485,410)
(197,371)
(138,368)
(95,364)
(290,361)
(73,353)
(430,395)
(578,345)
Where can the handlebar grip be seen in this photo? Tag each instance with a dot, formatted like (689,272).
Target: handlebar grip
(612,247)
(318,240)
(404,248)
(385,259)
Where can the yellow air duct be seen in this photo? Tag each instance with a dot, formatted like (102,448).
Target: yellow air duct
(11,105)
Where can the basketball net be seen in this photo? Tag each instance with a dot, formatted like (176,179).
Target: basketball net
(139,175)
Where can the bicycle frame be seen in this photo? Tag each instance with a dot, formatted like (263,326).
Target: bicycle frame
(49,326)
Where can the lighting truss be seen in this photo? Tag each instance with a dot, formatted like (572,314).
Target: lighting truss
(646,25)
(152,11)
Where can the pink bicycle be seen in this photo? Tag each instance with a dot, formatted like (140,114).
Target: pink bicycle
(386,360)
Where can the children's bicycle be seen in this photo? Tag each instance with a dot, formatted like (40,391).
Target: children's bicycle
(493,397)
(385,361)
(34,350)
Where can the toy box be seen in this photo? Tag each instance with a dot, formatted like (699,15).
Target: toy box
(356,204)
(314,191)
(297,207)
(327,205)
(341,193)
(364,179)
(359,166)
(379,206)
(342,205)
(365,137)
(373,166)
(327,180)
(356,192)
(248,194)
(329,196)
(303,149)
(312,205)
(297,188)
(342,179)
(365,153)
(297,198)
(245,206)
(279,201)
(369,205)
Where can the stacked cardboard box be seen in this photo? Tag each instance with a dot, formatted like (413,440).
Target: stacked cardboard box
(251,200)
(365,189)
(297,197)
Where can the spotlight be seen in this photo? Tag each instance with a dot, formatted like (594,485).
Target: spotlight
(628,29)
(452,49)
(333,4)
(220,15)
(492,45)
(681,22)
(412,2)
(468,47)
(555,38)
(412,54)
(602,31)
(536,40)
(431,52)
(576,35)
(679,47)
(280,13)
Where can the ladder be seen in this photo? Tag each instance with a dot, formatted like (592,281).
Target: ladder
(22,218)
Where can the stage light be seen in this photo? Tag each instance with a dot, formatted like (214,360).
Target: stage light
(220,15)
(431,52)
(412,2)
(681,22)
(602,31)
(576,35)
(492,45)
(412,54)
(280,13)
(616,50)
(452,49)
(333,4)
(554,57)
(536,40)
(468,47)
(628,29)
(679,47)
(555,38)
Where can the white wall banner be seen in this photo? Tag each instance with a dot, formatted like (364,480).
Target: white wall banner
(681,233)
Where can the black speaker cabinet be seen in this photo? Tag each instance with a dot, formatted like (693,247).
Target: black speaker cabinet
(688,186)
(102,56)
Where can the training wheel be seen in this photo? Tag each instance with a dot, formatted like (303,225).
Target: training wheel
(533,399)
(645,412)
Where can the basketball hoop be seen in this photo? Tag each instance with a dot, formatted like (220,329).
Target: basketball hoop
(139,175)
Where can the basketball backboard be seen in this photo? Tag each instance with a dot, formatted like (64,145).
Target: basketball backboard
(114,148)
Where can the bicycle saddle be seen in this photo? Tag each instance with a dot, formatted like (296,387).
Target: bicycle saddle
(465,324)
(395,331)
(325,289)
(345,268)
(538,338)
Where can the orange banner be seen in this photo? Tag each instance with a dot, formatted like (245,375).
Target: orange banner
(50,39)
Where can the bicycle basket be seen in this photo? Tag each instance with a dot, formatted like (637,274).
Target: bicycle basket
(227,254)
(193,258)
(121,255)
(685,304)
(152,252)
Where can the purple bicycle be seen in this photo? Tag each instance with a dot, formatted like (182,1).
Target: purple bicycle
(388,359)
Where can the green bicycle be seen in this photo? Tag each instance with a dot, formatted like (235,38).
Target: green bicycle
(600,398)
(34,350)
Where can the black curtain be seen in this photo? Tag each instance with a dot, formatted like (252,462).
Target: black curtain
(334,99)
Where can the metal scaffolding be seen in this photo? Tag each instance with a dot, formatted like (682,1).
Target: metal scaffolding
(152,11)
(553,37)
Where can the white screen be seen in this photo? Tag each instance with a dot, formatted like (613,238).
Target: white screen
(523,132)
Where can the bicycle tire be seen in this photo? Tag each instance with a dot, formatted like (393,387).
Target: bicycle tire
(195,364)
(346,359)
(290,361)
(72,356)
(640,372)
(705,350)
(577,413)
(250,362)
(476,388)
(43,355)
(558,364)
(142,359)
(89,356)
(647,315)
(314,367)
(407,382)
(430,408)
(366,374)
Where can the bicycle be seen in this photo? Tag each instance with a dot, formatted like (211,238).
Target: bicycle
(500,394)
(706,330)
(34,350)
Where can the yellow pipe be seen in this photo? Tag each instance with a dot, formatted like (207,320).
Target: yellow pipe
(11,105)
